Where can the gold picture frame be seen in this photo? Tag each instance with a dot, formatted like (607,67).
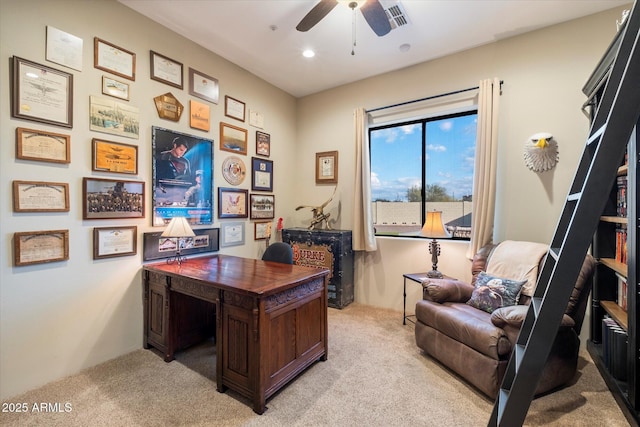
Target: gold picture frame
(38,247)
(40,196)
(116,157)
(42,146)
(327,167)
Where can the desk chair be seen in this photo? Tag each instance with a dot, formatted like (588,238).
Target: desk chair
(278,252)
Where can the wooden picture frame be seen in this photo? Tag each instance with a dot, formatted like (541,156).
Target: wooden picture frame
(168,107)
(234,108)
(262,206)
(327,167)
(263,144)
(261,174)
(203,86)
(232,234)
(38,247)
(199,115)
(261,230)
(232,203)
(111,242)
(157,247)
(40,93)
(115,157)
(112,198)
(115,88)
(110,116)
(40,196)
(233,138)
(114,59)
(166,70)
(43,146)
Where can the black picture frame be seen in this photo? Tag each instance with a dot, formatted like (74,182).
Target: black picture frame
(261,174)
(233,203)
(157,247)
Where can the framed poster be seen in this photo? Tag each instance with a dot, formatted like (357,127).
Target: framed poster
(166,70)
(232,203)
(39,196)
(199,115)
(232,234)
(112,198)
(115,88)
(263,144)
(43,146)
(182,177)
(113,59)
(110,242)
(234,108)
(261,174)
(262,206)
(203,86)
(41,94)
(114,117)
(116,157)
(37,247)
(156,246)
(233,138)
(327,167)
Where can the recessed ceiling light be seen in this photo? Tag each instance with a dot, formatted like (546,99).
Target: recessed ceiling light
(308,53)
(405,47)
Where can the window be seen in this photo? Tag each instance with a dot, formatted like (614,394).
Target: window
(423,165)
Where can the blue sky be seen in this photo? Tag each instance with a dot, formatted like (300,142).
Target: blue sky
(396,157)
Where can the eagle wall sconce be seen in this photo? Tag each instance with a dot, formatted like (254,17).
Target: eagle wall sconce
(541,152)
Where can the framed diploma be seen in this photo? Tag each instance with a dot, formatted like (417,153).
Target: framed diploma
(43,146)
(64,48)
(327,167)
(232,234)
(234,108)
(39,196)
(113,59)
(261,230)
(203,86)
(261,174)
(109,242)
(166,70)
(41,94)
(116,157)
(37,247)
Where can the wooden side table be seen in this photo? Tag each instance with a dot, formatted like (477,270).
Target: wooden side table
(419,278)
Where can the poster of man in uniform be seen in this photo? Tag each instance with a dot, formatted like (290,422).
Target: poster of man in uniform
(182,177)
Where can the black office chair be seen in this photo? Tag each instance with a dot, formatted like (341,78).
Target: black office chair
(278,252)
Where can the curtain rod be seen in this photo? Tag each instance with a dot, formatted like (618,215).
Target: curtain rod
(427,98)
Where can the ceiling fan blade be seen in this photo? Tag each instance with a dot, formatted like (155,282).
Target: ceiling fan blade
(376,17)
(316,14)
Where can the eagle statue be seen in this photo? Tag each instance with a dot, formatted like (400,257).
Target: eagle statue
(318,213)
(541,152)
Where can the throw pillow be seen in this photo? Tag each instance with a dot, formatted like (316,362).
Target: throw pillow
(491,292)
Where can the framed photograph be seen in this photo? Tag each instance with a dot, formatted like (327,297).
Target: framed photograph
(262,206)
(42,146)
(234,108)
(157,247)
(233,138)
(112,198)
(40,196)
(41,94)
(261,230)
(263,144)
(232,203)
(261,174)
(115,88)
(203,86)
(110,242)
(116,157)
(64,48)
(327,167)
(114,117)
(232,234)
(38,247)
(182,177)
(166,70)
(199,115)
(113,59)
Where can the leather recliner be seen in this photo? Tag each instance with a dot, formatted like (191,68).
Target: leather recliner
(477,345)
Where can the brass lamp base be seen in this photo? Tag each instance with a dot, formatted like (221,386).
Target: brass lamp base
(178,259)
(434,274)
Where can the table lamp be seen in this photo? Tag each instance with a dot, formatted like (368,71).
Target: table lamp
(434,228)
(178,227)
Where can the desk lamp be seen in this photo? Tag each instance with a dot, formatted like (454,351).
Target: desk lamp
(178,227)
(434,228)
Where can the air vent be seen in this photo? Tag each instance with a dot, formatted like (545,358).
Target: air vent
(397,15)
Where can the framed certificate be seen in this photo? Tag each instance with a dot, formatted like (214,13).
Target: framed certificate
(43,146)
(261,174)
(166,70)
(109,242)
(116,157)
(327,167)
(41,94)
(39,196)
(203,86)
(113,59)
(37,247)
(234,108)
(232,234)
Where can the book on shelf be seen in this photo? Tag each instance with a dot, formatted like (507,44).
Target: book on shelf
(621,196)
(621,243)
(614,348)
(622,291)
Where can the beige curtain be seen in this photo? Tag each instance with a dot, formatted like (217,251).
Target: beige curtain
(484,180)
(363,236)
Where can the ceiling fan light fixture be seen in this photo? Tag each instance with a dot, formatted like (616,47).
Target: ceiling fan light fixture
(352,4)
(308,53)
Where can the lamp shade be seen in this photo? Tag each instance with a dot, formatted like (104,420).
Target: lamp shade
(433,226)
(178,227)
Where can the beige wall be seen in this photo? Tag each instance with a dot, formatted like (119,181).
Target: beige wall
(57,319)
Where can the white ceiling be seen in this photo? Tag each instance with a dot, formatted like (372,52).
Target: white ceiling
(260,35)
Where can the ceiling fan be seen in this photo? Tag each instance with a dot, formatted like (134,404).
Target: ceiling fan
(372,11)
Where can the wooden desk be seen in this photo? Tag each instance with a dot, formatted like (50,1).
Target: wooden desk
(270,319)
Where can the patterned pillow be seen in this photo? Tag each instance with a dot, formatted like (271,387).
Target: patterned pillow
(491,292)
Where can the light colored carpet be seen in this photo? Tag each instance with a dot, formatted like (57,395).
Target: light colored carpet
(374,376)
